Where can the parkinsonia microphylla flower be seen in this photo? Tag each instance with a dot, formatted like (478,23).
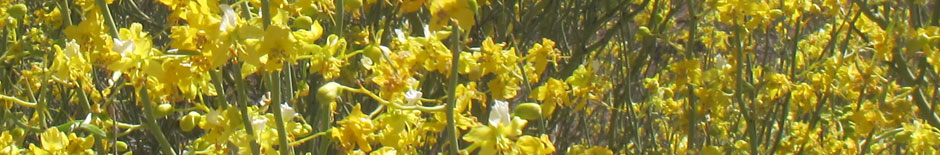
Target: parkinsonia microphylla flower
(70,63)
(500,134)
(461,10)
(355,130)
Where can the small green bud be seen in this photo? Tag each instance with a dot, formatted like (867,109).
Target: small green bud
(17,11)
(302,22)
(188,122)
(528,111)
(328,92)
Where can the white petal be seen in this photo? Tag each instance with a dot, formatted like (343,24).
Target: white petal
(258,124)
(499,114)
(87,119)
(229,18)
(123,46)
(412,96)
(287,112)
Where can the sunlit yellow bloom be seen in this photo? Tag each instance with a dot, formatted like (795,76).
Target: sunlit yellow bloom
(493,139)
(593,150)
(532,145)
(7,145)
(92,35)
(355,130)
(55,142)
(553,93)
(408,6)
(70,63)
(461,10)
(504,86)
(921,136)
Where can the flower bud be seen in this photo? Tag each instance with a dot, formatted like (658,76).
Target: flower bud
(17,11)
(188,122)
(328,92)
(528,111)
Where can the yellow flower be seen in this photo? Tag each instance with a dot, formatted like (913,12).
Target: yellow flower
(496,60)
(504,86)
(467,93)
(687,71)
(135,49)
(355,129)
(461,10)
(594,150)
(184,38)
(492,139)
(553,93)
(70,64)
(203,15)
(92,35)
(399,129)
(309,36)
(7,145)
(776,85)
(586,85)
(922,137)
(867,118)
(409,6)
(538,58)
(469,65)
(52,140)
(532,145)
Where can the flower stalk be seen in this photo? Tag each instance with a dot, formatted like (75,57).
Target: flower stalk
(242,104)
(274,85)
(151,123)
(452,89)
(108,19)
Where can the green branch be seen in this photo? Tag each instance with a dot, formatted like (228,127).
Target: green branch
(151,123)
(274,85)
(452,90)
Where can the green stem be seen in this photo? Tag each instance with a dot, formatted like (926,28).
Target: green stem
(274,85)
(739,87)
(266,13)
(151,123)
(693,16)
(308,138)
(452,89)
(221,100)
(243,108)
(108,19)
(18,101)
(66,12)
(340,12)
(394,105)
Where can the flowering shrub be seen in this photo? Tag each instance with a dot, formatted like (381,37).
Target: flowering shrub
(469,77)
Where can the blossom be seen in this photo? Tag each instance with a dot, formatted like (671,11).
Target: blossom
(532,145)
(461,10)
(355,129)
(70,63)
(53,140)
